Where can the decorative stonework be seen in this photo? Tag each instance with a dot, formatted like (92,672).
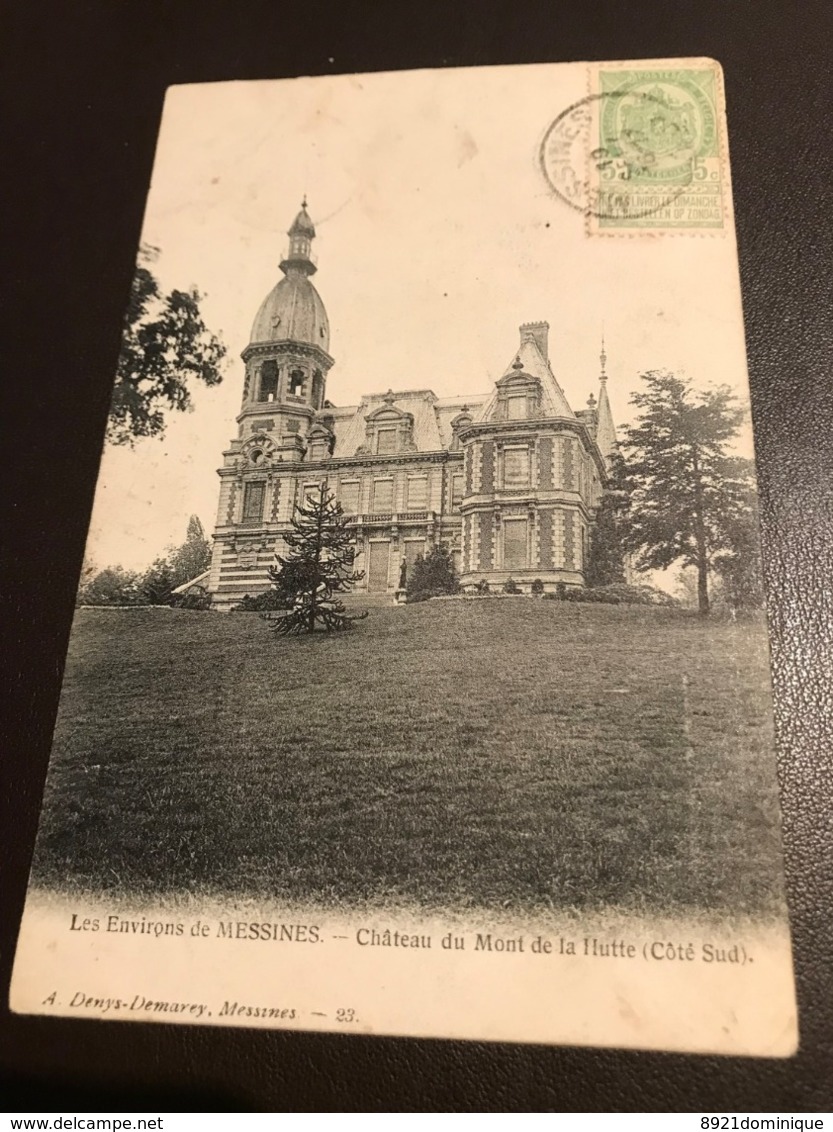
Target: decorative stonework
(568,481)
(487,467)
(232,502)
(545,532)
(486,540)
(569,540)
(545,481)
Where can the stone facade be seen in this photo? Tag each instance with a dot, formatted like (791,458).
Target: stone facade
(509,480)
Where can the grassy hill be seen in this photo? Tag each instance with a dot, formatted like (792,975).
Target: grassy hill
(496,753)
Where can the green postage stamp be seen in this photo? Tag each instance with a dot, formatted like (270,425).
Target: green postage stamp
(658,160)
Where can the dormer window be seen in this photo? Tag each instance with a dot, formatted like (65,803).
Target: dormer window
(386,441)
(389,430)
(461,421)
(321,443)
(518,395)
(268,388)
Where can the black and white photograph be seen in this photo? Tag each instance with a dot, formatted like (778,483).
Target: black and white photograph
(419,679)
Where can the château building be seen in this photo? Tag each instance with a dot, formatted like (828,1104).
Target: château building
(509,480)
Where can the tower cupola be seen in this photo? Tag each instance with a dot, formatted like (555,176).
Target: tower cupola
(287,359)
(301,234)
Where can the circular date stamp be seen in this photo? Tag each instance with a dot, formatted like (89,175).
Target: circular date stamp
(643,152)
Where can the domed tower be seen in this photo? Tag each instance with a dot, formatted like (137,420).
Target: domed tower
(287,359)
(286,372)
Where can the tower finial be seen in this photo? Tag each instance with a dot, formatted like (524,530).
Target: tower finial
(603,357)
(301,234)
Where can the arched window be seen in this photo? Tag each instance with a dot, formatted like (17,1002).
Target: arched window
(268,389)
(317,388)
(296,383)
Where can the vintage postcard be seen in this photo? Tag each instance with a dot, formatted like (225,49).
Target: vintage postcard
(419,680)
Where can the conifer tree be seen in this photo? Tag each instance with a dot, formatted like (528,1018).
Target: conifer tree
(432,575)
(318,567)
(687,492)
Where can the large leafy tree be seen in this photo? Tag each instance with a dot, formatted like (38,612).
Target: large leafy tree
(194,556)
(165,347)
(738,563)
(688,493)
(177,566)
(606,559)
(317,569)
(111,586)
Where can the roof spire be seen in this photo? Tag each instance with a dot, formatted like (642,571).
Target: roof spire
(605,429)
(299,256)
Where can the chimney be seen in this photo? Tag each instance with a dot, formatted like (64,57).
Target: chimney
(538,332)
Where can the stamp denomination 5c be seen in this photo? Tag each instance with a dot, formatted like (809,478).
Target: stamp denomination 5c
(643,150)
(659,137)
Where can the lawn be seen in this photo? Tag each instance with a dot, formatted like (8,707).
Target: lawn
(520,754)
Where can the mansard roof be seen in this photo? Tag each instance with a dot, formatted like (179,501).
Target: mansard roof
(432,417)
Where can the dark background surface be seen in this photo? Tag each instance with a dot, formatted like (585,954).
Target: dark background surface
(83,86)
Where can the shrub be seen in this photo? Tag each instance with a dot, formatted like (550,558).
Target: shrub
(510,586)
(482,587)
(620,594)
(195,598)
(537,586)
(433,575)
(266,602)
(638,595)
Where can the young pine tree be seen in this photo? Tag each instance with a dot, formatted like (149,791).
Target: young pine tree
(432,575)
(318,567)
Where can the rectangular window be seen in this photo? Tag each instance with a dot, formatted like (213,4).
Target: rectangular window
(456,491)
(386,441)
(417,493)
(379,561)
(514,544)
(253,496)
(516,467)
(383,495)
(516,408)
(350,497)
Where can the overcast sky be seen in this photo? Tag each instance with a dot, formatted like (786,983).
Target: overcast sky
(437,237)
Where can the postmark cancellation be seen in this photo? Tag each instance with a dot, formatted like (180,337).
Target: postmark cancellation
(644,150)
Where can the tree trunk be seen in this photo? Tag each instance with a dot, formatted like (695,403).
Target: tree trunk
(702,585)
(700,539)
